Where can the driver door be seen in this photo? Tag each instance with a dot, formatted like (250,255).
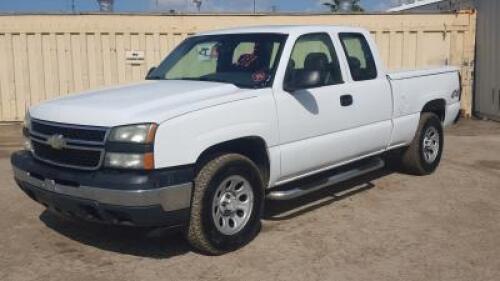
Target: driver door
(309,117)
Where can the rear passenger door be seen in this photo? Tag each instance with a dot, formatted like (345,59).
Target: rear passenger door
(371,113)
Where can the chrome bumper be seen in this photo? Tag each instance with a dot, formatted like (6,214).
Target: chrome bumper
(170,198)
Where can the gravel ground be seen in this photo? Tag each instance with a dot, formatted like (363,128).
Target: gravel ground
(386,226)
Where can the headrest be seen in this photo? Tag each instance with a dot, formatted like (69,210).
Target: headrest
(354,63)
(316,61)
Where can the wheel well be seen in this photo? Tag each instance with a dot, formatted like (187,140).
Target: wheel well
(254,148)
(437,107)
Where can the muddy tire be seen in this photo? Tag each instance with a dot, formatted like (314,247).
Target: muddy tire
(423,155)
(227,204)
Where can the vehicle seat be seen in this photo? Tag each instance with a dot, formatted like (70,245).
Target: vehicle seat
(355,66)
(318,61)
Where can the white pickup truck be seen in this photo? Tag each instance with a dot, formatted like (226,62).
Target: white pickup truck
(228,119)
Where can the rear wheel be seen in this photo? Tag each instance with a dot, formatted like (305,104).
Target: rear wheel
(227,204)
(423,155)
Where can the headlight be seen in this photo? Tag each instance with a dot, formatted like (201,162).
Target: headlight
(142,133)
(142,161)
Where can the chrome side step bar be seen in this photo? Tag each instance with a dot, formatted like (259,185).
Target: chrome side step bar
(287,194)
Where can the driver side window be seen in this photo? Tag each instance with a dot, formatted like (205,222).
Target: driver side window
(314,52)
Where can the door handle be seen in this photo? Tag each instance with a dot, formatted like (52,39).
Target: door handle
(346,100)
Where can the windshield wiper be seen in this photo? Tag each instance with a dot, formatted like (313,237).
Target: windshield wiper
(207,80)
(155,78)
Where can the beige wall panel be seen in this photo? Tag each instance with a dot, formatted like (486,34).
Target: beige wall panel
(106,59)
(99,60)
(152,54)
(134,46)
(410,49)
(91,60)
(7,80)
(81,38)
(157,48)
(50,65)
(120,56)
(21,74)
(70,64)
(50,55)
(128,66)
(396,50)
(35,62)
(383,44)
(114,59)
(61,60)
(164,44)
(2,79)
(77,66)
(438,46)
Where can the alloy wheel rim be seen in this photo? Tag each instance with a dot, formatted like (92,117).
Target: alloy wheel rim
(431,144)
(232,205)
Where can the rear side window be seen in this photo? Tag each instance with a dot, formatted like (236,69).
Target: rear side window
(359,56)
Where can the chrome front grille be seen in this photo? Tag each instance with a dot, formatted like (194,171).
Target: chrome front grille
(72,146)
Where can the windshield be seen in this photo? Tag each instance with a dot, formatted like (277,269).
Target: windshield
(245,60)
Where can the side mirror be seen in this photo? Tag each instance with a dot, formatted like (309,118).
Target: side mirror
(303,79)
(151,71)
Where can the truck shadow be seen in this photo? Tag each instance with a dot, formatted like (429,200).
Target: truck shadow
(143,242)
(285,210)
(165,243)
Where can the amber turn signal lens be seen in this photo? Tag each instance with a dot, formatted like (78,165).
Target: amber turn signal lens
(150,138)
(149,161)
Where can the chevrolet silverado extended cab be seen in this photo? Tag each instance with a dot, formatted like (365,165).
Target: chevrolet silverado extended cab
(228,119)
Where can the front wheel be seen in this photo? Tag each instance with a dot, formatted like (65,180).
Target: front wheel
(423,155)
(227,204)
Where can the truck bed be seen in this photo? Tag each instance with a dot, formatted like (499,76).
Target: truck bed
(412,89)
(413,73)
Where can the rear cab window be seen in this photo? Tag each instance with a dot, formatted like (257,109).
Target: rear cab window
(359,56)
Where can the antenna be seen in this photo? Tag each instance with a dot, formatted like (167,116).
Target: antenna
(198,3)
(105,5)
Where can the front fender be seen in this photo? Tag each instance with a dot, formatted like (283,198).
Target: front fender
(180,141)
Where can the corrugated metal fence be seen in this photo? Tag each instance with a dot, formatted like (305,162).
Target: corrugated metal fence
(46,56)
(487,94)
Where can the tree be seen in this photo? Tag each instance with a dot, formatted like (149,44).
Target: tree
(335,5)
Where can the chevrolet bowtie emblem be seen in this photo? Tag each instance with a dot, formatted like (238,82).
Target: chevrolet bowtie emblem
(56,141)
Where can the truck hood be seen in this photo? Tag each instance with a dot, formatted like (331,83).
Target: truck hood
(148,101)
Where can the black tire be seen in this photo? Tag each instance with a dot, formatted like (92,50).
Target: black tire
(413,159)
(202,232)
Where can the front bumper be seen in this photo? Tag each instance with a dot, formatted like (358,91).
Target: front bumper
(156,198)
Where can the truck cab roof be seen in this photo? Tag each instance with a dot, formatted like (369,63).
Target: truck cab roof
(286,29)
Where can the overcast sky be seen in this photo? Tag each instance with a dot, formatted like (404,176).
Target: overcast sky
(182,5)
